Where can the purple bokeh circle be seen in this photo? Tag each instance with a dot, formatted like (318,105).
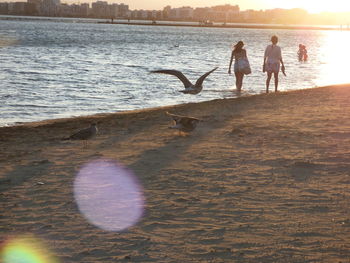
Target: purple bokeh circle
(108,195)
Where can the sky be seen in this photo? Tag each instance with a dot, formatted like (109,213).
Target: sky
(312,6)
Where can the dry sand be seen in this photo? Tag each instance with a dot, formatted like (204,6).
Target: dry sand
(262,179)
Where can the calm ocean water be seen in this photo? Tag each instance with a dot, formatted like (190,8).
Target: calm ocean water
(52,69)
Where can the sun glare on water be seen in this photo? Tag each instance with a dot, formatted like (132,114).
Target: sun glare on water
(335,57)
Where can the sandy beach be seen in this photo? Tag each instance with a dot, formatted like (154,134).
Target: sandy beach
(264,178)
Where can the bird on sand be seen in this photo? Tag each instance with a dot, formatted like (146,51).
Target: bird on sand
(183,123)
(84,134)
(189,87)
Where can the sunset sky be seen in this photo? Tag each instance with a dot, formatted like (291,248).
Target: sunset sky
(313,6)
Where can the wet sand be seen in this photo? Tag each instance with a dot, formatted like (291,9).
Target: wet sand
(264,178)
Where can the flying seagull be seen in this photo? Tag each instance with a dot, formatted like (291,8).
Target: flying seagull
(189,87)
(84,134)
(183,123)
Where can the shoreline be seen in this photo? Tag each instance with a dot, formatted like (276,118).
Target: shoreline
(155,109)
(175,23)
(246,26)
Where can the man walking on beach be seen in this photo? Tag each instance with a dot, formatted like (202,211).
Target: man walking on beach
(272,61)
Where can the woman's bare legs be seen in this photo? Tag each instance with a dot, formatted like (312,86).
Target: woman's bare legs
(269,75)
(239,80)
(275,74)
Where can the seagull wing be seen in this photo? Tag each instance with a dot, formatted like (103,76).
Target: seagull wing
(176,73)
(83,134)
(174,116)
(202,78)
(188,120)
(180,117)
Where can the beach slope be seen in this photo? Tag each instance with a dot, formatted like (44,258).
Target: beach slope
(262,179)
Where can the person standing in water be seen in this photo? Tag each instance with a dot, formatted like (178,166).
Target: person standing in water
(272,61)
(302,53)
(241,65)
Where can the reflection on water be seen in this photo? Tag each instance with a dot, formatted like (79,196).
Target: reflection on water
(59,69)
(335,57)
(6,41)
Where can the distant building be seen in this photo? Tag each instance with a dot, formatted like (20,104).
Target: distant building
(221,13)
(74,10)
(224,13)
(139,14)
(166,11)
(4,8)
(50,7)
(34,6)
(123,10)
(146,14)
(201,14)
(182,13)
(118,10)
(285,16)
(17,8)
(100,9)
(114,10)
(85,10)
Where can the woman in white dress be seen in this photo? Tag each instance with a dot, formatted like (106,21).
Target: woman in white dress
(272,61)
(241,65)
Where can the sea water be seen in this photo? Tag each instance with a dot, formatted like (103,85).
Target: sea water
(59,68)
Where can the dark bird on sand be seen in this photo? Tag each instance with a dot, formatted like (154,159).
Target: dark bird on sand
(183,123)
(84,134)
(189,87)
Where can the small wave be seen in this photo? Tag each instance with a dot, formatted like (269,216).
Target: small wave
(129,66)
(219,90)
(29,106)
(6,96)
(30,72)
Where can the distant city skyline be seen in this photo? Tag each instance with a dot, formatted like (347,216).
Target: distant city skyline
(312,6)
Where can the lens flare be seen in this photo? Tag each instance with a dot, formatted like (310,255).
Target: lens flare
(108,195)
(25,249)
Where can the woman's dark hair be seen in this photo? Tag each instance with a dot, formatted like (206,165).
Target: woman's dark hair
(238,47)
(274,39)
